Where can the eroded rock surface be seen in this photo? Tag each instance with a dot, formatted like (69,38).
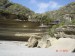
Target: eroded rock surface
(32,42)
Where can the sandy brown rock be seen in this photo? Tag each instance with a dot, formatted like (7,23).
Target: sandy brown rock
(67,44)
(32,42)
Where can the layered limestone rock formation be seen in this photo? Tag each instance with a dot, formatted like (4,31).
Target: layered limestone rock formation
(67,31)
(21,30)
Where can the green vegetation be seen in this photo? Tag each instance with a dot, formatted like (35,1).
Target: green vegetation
(53,29)
(58,14)
(3,2)
(73,22)
(20,11)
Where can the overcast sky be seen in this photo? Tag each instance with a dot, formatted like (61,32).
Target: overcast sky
(40,6)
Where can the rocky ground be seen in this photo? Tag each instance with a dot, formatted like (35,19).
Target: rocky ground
(19,48)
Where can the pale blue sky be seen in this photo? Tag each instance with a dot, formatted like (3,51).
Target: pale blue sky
(40,6)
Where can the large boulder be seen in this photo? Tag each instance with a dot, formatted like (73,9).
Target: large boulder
(64,45)
(44,42)
(32,42)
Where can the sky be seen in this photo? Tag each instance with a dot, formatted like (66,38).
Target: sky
(41,6)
